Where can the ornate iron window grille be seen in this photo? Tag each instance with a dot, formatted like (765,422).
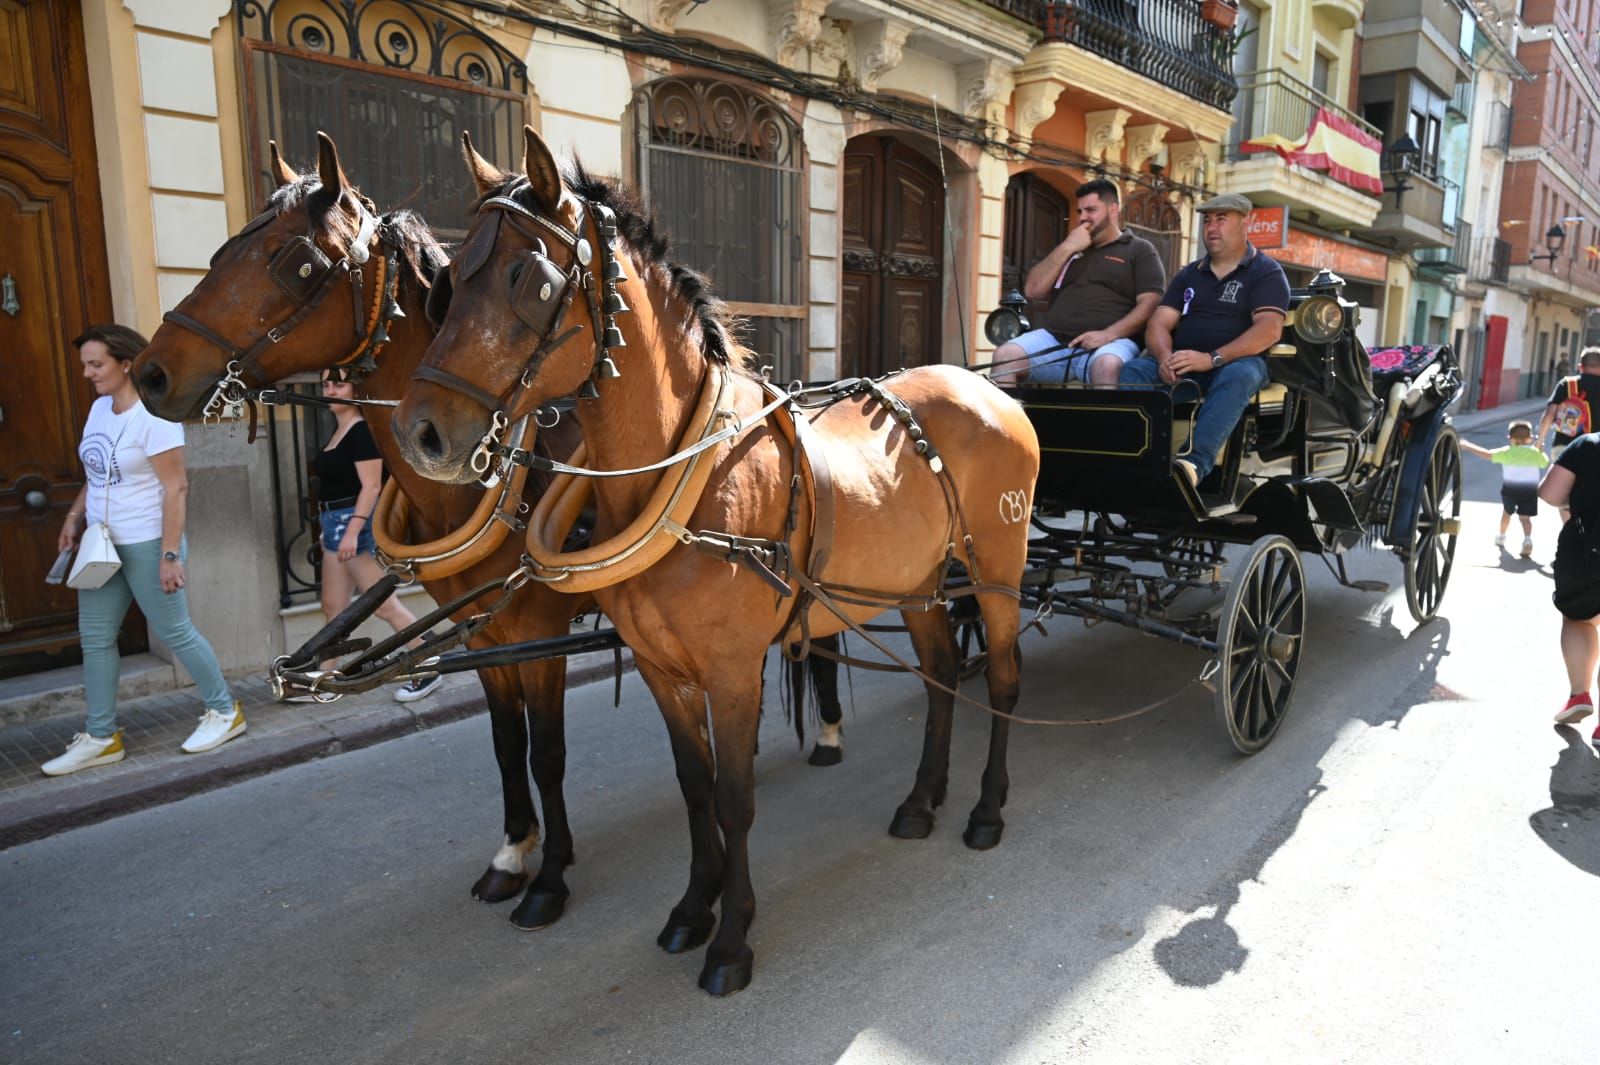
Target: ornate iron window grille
(723,169)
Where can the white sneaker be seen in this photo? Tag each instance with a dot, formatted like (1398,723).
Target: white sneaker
(85,752)
(214,730)
(1187,469)
(1527,548)
(1500,541)
(419,689)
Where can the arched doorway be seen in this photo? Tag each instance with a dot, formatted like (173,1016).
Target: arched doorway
(1153,217)
(893,215)
(1037,219)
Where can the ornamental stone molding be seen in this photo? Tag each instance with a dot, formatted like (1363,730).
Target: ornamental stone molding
(664,14)
(799,26)
(984,89)
(197,18)
(881,47)
(1034,101)
(1187,162)
(1144,144)
(1103,133)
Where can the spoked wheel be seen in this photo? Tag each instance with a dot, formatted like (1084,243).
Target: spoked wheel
(1260,641)
(1189,554)
(1433,544)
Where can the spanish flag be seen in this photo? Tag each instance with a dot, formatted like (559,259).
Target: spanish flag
(1334,144)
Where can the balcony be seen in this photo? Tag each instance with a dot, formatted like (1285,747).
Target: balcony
(1497,134)
(1164,40)
(1456,259)
(1273,107)
(1420,220)
(1490,262)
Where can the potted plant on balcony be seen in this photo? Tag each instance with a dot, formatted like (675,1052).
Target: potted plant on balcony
(1220,13)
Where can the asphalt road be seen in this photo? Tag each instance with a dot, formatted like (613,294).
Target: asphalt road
(1407,874)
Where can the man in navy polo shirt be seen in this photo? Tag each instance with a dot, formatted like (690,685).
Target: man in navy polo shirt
(1219,314)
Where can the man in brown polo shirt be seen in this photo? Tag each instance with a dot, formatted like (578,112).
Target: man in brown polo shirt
(1103,284)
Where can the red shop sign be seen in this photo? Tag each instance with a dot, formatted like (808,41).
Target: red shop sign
(1268,227)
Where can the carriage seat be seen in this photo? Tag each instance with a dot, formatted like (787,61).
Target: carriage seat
(1406,363)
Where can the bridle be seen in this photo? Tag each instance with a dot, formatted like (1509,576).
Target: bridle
(540,294)
(306,275)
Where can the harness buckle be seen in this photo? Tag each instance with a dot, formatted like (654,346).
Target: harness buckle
(275,336)
(678,532)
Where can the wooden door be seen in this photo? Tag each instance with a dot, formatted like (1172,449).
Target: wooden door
(1037,219)
(53,283)
(891,293)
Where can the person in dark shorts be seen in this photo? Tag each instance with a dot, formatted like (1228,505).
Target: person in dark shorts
(1520,463)
(1573,483)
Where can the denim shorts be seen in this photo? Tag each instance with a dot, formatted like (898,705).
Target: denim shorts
(334,522)
(1052,363)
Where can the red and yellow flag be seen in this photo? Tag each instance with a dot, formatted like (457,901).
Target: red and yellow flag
(1335,144)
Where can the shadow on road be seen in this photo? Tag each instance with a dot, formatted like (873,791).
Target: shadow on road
(1570,825)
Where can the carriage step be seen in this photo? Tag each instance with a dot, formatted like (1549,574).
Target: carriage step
(1370,586)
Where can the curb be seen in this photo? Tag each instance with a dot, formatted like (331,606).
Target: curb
(89,801)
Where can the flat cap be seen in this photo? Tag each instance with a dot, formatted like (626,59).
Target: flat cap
(1227,201)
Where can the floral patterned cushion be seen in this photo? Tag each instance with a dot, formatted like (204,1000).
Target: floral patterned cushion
(1405,361)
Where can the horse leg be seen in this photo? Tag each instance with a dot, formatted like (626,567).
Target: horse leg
(545,686)
(508,724)
(938,657)
(735,714)
(825,683)
(1001,623)
(683,709)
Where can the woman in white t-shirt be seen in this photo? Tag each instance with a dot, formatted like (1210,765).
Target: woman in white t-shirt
(134,482)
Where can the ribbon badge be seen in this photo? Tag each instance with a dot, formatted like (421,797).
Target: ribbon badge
(1188,298)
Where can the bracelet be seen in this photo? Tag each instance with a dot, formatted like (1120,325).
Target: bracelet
(353,517)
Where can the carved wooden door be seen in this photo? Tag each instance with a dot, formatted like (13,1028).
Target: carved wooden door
(891,293)
(1037,219)
(53,283)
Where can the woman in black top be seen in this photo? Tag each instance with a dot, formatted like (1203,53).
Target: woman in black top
(350,476)
(1573,485)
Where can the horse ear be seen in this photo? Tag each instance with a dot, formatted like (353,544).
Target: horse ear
(485,174)
(328,169)
(282,172)
(544,177)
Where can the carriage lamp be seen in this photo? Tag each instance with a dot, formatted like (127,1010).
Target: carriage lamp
(1554,238)
(1007,321)
(1319,320)
(1403,155)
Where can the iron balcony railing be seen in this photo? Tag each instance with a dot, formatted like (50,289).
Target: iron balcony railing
(1491,261)
(1275,103)
(1456,259)
(1498,135)
(1018,9)
(1164,40)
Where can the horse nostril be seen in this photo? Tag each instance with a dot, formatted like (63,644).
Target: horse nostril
(429,442)
(152,380)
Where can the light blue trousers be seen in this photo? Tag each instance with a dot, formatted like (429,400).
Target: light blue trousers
(100,614)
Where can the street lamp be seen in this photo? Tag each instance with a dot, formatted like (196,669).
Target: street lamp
(1403,155)
(1554,237)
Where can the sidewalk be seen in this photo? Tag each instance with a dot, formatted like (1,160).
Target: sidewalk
(1503,415)
(154,772)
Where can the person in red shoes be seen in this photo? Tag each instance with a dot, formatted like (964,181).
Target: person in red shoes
(1573,486)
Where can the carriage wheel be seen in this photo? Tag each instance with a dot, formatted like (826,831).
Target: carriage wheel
(1190,554)
(1259,642)
(1433,544)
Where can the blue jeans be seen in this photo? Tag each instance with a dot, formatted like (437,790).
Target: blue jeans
(1228,392)
(100,614)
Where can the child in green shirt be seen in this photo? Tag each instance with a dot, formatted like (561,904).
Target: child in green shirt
(1520,465)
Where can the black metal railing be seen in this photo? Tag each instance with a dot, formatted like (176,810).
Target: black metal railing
(1018,9)
(1498,135)
(1491,260)
(1272,103)
(1164,40)
(294,435)
(1456,259)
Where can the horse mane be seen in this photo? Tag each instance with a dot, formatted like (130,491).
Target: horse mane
(419,249)
(637,225)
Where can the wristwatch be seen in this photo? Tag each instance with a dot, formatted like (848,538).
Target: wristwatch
(169,556)
(1216,361)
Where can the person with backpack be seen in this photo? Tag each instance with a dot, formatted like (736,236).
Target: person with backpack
(1570,410)
(1573,485)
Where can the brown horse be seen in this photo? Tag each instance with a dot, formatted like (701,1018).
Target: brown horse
(235,302)
(544,245)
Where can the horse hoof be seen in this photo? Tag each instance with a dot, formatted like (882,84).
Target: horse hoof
(909,825)
(539,909)
(821,755)
(497,885)
(981,836)
(728,978)
(679,936)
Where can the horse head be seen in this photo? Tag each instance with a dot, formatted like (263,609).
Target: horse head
(307,283)
(525,314)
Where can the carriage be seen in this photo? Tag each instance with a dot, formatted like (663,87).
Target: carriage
(1343,447)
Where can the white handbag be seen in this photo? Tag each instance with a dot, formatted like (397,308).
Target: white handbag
(97,560)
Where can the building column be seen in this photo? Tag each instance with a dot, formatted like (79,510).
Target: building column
(824,131)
